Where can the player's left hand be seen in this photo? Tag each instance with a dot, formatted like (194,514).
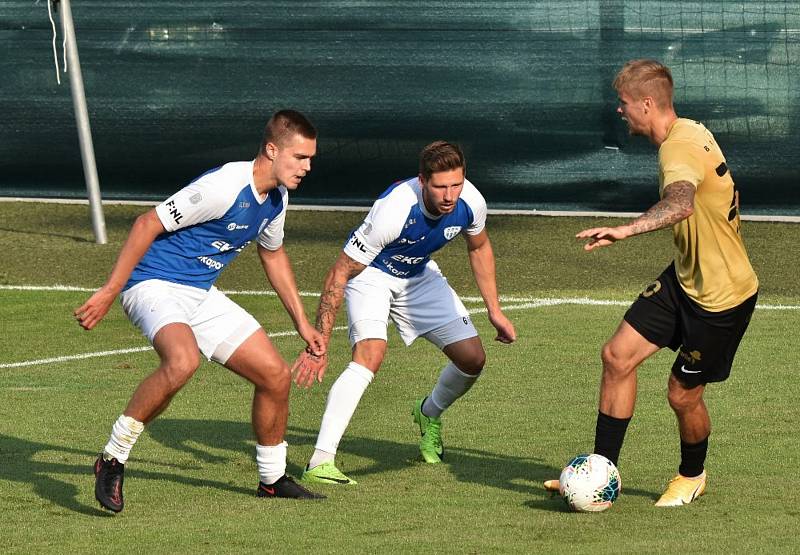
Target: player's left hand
(309,368)
(505,329)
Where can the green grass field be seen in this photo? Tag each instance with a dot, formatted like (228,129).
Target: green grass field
(191,479)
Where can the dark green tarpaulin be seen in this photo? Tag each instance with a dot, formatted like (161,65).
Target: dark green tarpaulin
(175,88)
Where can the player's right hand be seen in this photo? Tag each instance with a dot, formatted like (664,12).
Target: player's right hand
(93,310)
(601,236)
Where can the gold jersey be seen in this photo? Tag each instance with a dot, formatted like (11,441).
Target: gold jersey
(710,260)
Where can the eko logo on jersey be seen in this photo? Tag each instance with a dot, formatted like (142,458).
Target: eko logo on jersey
(408,259)
(234,226)
(222,246)
(452,231)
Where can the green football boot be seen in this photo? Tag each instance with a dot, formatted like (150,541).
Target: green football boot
(326,473)
(430,446)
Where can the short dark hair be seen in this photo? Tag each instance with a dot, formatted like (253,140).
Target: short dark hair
(440,156)
(285,124)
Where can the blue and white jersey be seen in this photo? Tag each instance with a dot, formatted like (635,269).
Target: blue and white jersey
(399,235)
(208,223)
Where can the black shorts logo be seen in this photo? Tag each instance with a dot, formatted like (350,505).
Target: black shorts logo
(691,357)
(652,289)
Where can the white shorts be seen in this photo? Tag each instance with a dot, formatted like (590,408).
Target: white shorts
(219,324)
(424,305)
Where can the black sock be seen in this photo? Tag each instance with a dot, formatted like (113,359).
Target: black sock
(609,435)
(693,455)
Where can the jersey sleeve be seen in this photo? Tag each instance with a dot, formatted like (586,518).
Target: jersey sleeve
(477,204)
(381,226)
(198,202)
(681,161)
(271,237)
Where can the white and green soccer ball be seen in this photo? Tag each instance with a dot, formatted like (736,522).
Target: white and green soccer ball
(590,483)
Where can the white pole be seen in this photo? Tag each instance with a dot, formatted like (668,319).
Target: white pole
(82,120)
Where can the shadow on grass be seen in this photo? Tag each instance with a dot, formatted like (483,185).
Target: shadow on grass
(75,238)
(20,461)
(508,472)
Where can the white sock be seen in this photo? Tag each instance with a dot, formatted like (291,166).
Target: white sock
(343,399)
(271,461)
(320,457)
(124,434)
(452,384)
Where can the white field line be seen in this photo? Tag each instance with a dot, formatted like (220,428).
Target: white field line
(526,300)
(82,356)
(513,303)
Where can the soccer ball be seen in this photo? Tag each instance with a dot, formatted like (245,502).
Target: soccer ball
(590,483)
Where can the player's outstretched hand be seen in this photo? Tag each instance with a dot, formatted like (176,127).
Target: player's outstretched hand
(93,310)
(505,329)
(601,236)
(309,368)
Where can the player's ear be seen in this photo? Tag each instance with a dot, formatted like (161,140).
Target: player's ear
(421,179)
(271,151)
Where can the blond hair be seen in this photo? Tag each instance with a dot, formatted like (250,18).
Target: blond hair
(640,78)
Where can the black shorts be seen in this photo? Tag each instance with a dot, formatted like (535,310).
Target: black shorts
(706,341)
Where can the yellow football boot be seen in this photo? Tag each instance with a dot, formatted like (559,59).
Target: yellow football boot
(682,491)
(552,485)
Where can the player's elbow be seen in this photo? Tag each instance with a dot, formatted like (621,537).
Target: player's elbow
(149,222)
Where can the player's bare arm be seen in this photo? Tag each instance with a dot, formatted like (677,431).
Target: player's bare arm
(309,367)
(143,232)
(481,259)
(278,270)
(677,205)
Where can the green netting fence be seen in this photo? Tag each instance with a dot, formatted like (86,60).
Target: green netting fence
(175,88)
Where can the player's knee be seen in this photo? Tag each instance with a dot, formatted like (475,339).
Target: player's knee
(275,380)
(613,363)
(179,369)
(474,364)
(369,353)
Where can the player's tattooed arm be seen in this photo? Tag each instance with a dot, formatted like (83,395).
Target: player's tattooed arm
(309,367)
(677,205)
(332,295)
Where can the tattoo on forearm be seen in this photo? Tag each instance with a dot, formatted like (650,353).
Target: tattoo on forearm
(333,292)
(676,205)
